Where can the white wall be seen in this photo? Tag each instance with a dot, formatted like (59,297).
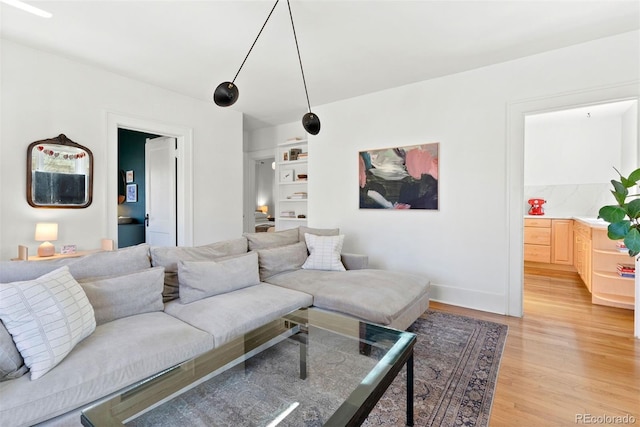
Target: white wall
(464,247)
(572,151)
(44,95)
(630,150)
(569,159)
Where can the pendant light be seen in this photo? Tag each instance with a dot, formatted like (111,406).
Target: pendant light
(226,94)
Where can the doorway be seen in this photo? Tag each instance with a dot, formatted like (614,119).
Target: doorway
(569,160)
(183,166)
(131,187)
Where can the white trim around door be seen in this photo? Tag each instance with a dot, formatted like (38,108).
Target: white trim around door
(184,137)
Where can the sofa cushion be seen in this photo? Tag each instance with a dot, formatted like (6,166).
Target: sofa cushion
(282,258)
(324,252)
(105,263)
(317,231)
(47,317)
(378,296)
(116,355)
(227,316)
(126,295)
(11,363)
(168,257)
(272,240)
(18,271)
(201,279)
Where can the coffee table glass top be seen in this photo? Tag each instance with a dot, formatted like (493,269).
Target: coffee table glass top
(308,368)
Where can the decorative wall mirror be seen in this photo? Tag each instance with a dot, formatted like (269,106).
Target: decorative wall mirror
(59,174)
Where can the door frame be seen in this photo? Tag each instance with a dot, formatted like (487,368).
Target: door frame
(184,174)
(516,112)
(250,159)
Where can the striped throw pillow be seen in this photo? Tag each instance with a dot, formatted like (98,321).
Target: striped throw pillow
(47,317)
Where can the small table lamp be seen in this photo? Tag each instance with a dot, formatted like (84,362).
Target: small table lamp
(44,233)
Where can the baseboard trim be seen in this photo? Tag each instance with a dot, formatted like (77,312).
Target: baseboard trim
(469,298)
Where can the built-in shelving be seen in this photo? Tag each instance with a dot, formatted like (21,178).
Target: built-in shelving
(291,186)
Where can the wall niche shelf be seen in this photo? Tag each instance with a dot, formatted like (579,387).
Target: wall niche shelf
(292,196)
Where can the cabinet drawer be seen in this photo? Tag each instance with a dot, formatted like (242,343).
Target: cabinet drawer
(537,253)
(537,236)
(535,222)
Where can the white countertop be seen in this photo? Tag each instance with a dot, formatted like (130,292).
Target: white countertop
(590,221)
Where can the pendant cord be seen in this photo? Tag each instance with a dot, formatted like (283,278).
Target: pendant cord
(299,59)
(254,42)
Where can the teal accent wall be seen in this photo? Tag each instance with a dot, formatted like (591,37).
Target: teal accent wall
(131,158)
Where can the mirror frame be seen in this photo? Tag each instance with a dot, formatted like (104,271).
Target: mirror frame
(64,141)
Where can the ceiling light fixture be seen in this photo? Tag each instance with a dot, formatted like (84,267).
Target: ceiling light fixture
(226,94)
(28,8)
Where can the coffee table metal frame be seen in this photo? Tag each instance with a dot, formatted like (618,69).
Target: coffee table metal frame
(153,391)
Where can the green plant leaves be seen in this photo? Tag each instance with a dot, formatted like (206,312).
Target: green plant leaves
(619,230)
(612,213)
(619,191)
(633,209)
(623,218)
(634,177)
(632,241)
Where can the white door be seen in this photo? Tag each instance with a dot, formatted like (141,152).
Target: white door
(160,191)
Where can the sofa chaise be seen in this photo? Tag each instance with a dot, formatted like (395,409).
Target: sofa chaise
(142,309)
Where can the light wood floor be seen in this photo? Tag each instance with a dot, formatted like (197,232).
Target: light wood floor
(564,358)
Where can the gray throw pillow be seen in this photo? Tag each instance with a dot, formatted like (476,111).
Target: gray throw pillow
(116,297)
(169,256)
(202,279)
(11,364)
(106,263)
(281,259)
(272,240)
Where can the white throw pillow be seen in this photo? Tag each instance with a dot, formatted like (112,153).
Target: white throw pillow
(324,252)
(47,317)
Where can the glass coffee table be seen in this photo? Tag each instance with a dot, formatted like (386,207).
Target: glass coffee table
(308,368)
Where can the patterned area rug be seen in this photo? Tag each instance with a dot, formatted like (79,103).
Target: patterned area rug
(456,362)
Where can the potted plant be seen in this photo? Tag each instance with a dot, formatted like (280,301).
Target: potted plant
(624,217)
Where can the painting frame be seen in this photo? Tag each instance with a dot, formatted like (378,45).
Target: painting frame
(132,193)
(400,178)
(129,177)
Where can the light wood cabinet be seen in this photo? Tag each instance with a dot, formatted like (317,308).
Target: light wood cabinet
(537,240)
(562,241)
(582,251)
(548,241)
(607,286)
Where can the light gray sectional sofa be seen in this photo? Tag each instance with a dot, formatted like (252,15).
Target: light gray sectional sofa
(154,307)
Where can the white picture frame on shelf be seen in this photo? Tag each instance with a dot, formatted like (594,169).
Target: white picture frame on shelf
(286,175)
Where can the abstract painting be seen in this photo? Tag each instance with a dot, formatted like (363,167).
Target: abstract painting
(399,178)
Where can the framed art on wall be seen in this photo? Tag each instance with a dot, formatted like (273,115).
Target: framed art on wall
(129,175)
(132,193)
(404,177)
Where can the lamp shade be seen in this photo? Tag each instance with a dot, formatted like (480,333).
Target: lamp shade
(226,94)
(263,208)
(46,231)
(311,123)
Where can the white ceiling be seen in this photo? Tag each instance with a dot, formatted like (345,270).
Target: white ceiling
(348,48)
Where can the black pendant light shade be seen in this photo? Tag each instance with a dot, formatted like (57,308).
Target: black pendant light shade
(311,123)
(226,94)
